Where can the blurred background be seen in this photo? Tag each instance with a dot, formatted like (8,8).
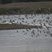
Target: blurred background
(13,1)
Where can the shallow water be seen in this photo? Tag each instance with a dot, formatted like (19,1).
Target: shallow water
(11,41)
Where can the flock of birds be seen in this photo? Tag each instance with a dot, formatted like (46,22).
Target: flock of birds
(44,20)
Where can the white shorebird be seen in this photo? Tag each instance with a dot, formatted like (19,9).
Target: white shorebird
(46,25)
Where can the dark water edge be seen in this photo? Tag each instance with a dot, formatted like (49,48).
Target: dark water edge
(17,26)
